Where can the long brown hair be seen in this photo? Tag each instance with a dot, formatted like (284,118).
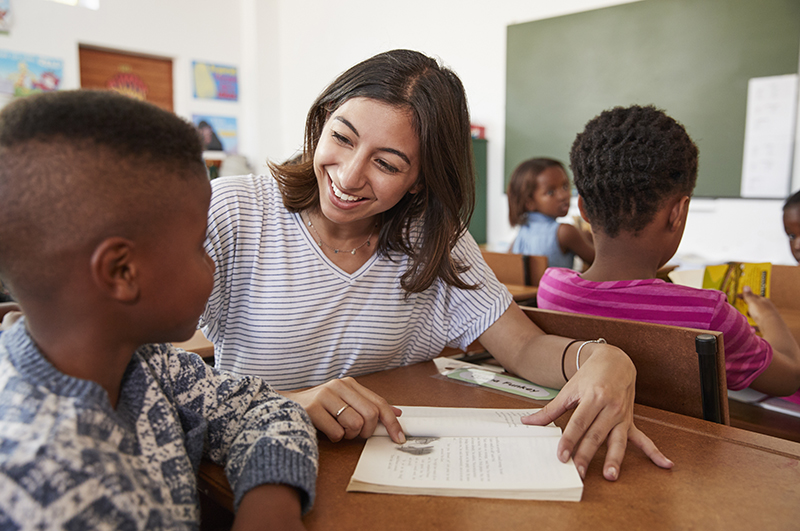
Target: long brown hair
(435,98)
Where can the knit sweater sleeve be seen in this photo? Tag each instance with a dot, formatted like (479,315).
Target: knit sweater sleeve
(257,434)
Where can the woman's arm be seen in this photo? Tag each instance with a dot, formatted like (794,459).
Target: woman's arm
(602,392)
(9,313)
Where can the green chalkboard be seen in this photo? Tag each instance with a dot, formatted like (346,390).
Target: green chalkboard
(692,58)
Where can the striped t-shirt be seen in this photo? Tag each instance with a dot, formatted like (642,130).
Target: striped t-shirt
(283,311)
(657,301)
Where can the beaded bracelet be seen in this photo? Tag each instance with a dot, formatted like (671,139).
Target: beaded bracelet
(564,356)
(578,355)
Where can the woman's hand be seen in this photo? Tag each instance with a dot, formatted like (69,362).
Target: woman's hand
(346,409)
(602,393)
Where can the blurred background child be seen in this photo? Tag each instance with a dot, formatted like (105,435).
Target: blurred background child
(791,223)
(539,192)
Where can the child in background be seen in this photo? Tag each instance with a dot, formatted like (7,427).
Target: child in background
(103,209)
(538,193)
(791,223)
(635,169)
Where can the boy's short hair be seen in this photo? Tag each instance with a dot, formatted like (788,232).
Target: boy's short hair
(80,166)
(627,162)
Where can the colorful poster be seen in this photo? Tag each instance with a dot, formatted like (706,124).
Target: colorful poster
(5,15)
(22,74)
(219,133)
(216,82)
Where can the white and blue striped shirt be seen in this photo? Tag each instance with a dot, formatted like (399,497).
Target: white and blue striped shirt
(283,311)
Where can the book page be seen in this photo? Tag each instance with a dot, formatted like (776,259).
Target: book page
(468,422)
(494,467)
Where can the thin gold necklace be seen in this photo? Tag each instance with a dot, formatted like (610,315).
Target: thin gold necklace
(334,249)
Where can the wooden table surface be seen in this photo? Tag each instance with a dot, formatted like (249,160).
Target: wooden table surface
(724,477)
(522,293)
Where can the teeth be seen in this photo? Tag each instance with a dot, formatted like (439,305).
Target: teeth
(343,196)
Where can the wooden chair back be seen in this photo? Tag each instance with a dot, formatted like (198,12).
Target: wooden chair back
(518,269)
(785,286)
(508,268)
(535,269)
(666,359)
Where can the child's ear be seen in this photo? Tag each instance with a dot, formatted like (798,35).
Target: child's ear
(678,213)
(582,209)
(114,269)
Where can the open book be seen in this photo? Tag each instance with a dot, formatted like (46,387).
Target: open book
(480,453)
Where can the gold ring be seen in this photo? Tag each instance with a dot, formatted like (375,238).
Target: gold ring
(341,410)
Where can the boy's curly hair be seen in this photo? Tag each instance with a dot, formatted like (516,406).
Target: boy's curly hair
(627,162)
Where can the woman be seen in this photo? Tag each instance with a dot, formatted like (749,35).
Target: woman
(355,258)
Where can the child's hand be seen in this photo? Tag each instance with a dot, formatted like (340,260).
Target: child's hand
(759,308)
(346,409)
(269,507)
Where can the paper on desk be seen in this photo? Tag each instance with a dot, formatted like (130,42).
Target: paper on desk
(467,372)
(420,421)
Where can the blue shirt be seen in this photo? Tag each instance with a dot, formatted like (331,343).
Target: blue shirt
(539,236)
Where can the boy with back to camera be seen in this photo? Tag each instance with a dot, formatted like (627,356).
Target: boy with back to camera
(103,206)
(635,169)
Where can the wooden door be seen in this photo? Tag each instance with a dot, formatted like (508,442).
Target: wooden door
(142,77)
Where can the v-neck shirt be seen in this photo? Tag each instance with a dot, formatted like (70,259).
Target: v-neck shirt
(281,310)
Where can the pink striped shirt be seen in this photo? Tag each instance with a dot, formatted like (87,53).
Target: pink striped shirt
(657,301)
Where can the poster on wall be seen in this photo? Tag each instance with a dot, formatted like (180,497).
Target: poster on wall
(217,132)
(5,15)
(23,74)
(215,82)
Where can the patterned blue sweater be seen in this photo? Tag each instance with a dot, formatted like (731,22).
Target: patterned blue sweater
(69,460)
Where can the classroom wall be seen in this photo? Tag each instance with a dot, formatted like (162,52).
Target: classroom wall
(287,51)
(182,30)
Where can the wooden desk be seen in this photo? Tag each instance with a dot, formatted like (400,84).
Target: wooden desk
(791,316)
(724,478)
(759,419)
(522,293)
(199,345)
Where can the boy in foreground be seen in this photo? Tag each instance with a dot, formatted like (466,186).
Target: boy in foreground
(103,206)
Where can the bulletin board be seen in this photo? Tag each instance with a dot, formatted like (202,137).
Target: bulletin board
(692,58)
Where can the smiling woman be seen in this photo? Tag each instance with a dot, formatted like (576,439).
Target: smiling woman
(353,257)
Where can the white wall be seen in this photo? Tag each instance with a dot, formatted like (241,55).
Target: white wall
(288,50)
(183,31)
